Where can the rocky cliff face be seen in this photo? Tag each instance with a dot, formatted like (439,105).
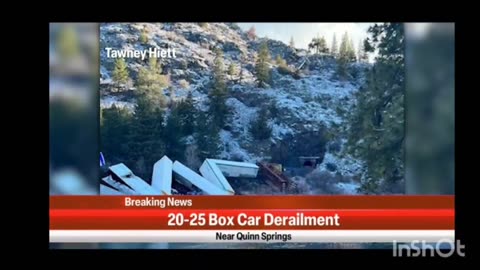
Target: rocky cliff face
(308,113)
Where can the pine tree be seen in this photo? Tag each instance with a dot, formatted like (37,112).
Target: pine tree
(292,42)
(218,108)
(334,49)
(151,82)
(362,53)
(351,51)
(319,44)
(219,70)
(120,71)
(154,65)
(115,132)
(145,138)
(173,136)
(343,56)
(313,45)
(232,69)
(186,112)
(322,45)
(262,68)
(367,46)
(377,133)
(207,137)
(143,36)
(344,47)
(259,127)
(346,55)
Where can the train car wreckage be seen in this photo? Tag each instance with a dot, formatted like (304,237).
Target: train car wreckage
(120,180)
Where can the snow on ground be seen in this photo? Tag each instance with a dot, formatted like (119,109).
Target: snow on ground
(107,102)
(307,103)
(313,99)
(348,188)
(232,150)
(321,83)
(242,117)
(305,111)
(346,165)
(104,76)
(280,130)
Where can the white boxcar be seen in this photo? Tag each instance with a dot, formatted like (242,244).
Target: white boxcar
(212,173)
(190,177)
(132,181)
(235,168)
(104,190)
(162,176)
(121,187)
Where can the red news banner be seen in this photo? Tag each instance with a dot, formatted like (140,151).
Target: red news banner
(252,213)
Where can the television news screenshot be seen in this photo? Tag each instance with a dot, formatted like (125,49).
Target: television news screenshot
(252,135)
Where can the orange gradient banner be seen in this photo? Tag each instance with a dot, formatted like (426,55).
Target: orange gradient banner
(252,212)
(256,202)
(149,219)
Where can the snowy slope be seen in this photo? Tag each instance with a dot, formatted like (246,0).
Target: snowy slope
(317,100)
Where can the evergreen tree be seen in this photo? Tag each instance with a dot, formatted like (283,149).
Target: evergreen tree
(322,45)
(344,47)
(145,140)
(377,133)
(143,36)
(343,56)
(351,51)
(292,42)
(186,112)
(334,49)
(232,69)
(151,82)
(207,137)
(319,45)
(218,108)
(362,52)
(262,68)
(120,71)
(173,136)
(155,66)
(346,55)
(219,70)
(259,127)
(367,46)
(115,133)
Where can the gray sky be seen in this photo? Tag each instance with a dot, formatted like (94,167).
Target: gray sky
(304,32)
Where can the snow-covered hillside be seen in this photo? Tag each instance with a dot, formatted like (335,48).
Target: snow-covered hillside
(318,100)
